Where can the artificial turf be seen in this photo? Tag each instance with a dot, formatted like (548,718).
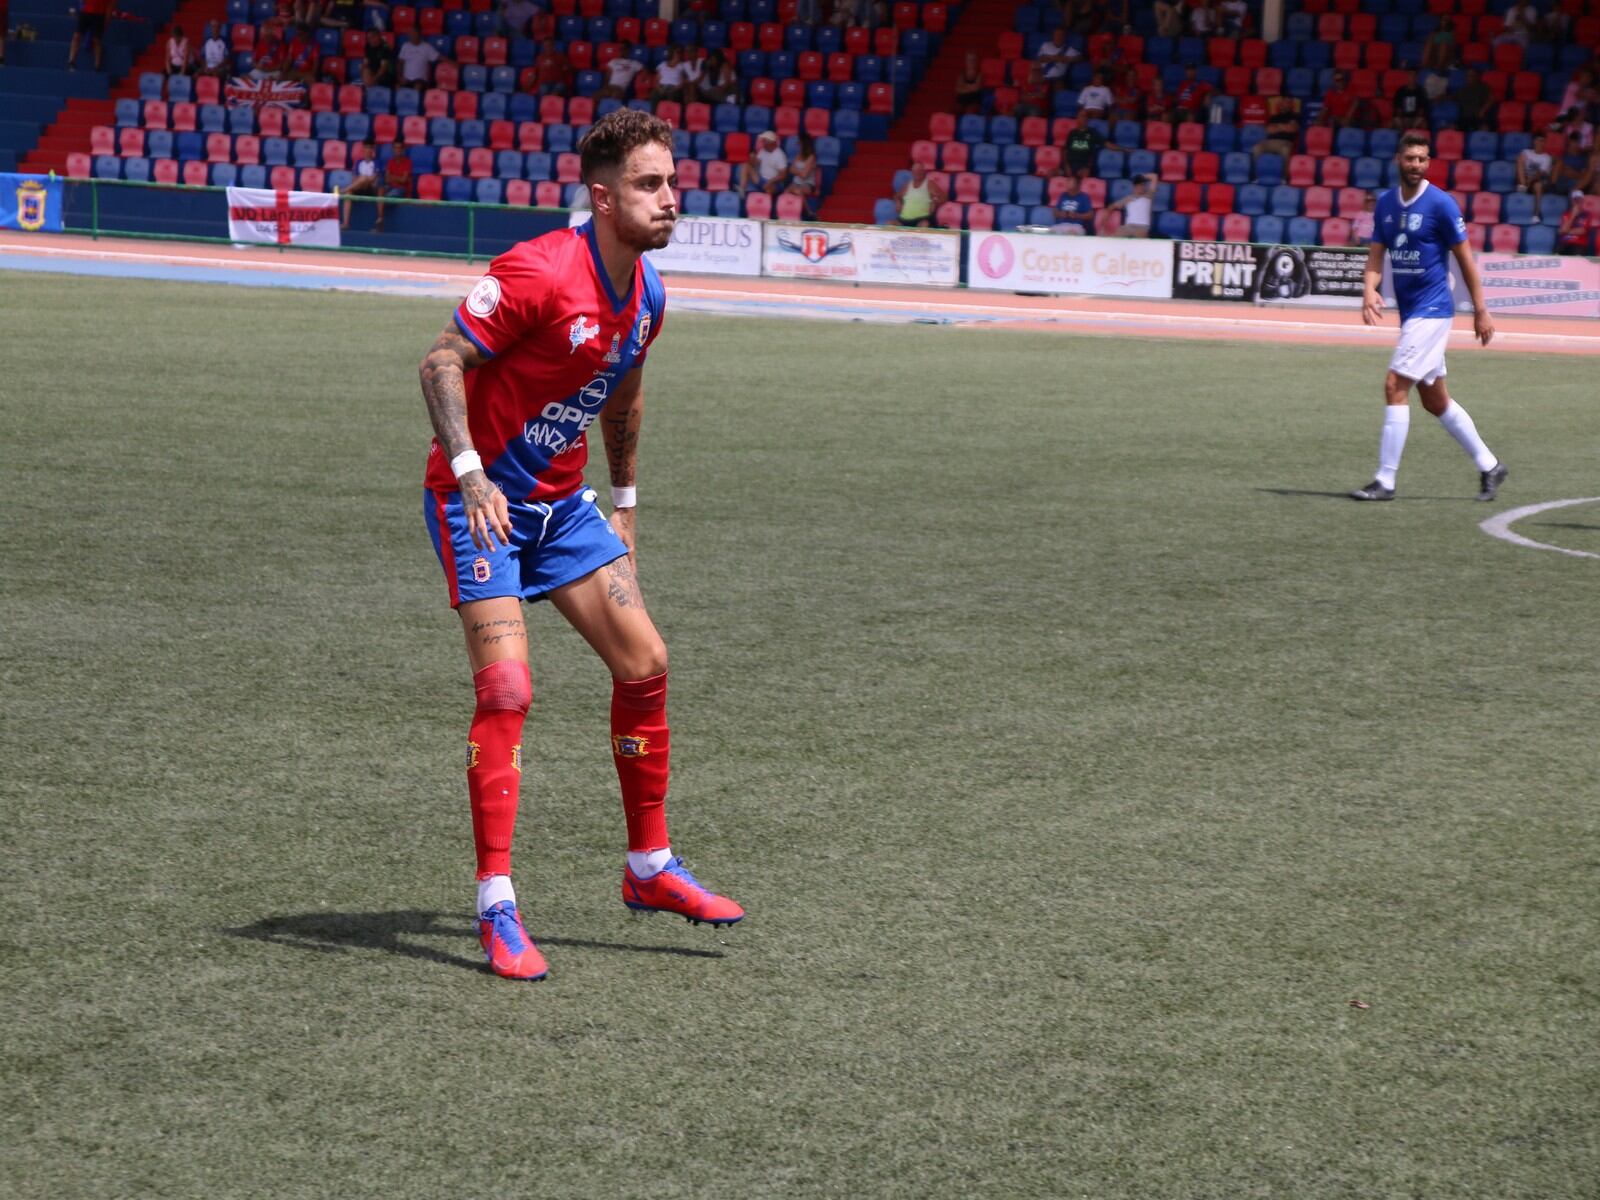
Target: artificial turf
(1079,753)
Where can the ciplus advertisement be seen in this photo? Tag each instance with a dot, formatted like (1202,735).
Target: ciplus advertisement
(1323,276)
(705,246)
(1054,263)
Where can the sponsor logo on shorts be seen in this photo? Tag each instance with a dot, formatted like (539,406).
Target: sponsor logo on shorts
(481,570)
(485,298)
(630,745)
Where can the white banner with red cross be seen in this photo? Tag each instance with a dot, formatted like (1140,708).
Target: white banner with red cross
(283,218)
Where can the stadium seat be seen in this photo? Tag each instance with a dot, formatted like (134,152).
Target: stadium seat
(1505,239)
(1235,228)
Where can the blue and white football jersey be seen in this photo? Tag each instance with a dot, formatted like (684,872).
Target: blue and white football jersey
(1419,236)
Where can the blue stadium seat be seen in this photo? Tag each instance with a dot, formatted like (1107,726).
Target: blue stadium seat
(457,188)
(559,139)
(539,166)
(129,114)
(508,164)
(275,152)
(984,158)
(1016,160)
(1285,200)
(1221,139)
(180,89)
(1304,231)
(1316,55)
(1143,162)
(253,175)
(1267,229)
(1028,190)
(1251,199)
(697,202)
(725,204)
(325,125)
(852,96)
(1283,54)
(407,102)
(1158,50)
(1041,214)
(1249,135)
(1551,209)
(305,152)
(868,68)
(1539,239)
(472,134)
(190,146)
(997,189)
(1237,167)
(424,159)
(1172,225)
(819,94)
(1300,83)
(1003,131)
(1269,170)
(1111,164)
(707,146)
(1008,216)
(107,166)
(150,86)
(1500,176)
(503,79)
(1300,26)
(757,118)
(241,120)
(1518,208)
(475,78)
(780,65)
(915,43)
(224,175)
(1367,173)
(493,106)
(1026,19)
(829,151)
(1350,143)
(846,124)
(488,191)
(725,118)
(158,143)
(901,69)
(682,144)
(523,107)
(379,99)
(1514,143)
(752,64)
(970,128)
(213,118)
(901,178)
(1382,143)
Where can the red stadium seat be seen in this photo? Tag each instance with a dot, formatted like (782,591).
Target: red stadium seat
(1486,207)
(281,179)
(968,188)
(1034,131)
(880,98)
(741,34)
(130,143)
(1219,199)
(1468,175)
(1095,189)
(1336,232)
(736,147)
(352,98)
(1158,136)
(949,215)
(519,191)
(769,38)
(925,152)
(718,176)
(297,123)
(791,93)
(183,118)
(1478,237)
(697,117)
(1235,228)
(1204,227)
(569,168)
(688,173)
(313,179)
(1350,201)
(955,156)
(809,66)
(841,67)
(335,155)
(155,114)
(1319,140)
(207,90)
(219,147)
(1269,82)
(1191,137)
(580,110)
(1047,160)
(818,122)
(430,187)
(1205,167)
(936,18)
(414,130)
(452,160)
(1174,166)
(1220,52)
(502,135)
(786,121)
(1253,53)
(1335,172)
(547,193)
(195,172)
(1379,56)
(103,141)
(886,42)
(247,150)
(1318,203)
(1187,197)
(1236,81)
(164,170)
(496,52)
(1252,110)
(1505,239)
(530,136)
(480,163)
(1302,171)
(789,207)
(758,206)
(980,216)
(1330,27)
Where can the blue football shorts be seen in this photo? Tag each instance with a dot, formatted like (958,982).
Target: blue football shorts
(552,543)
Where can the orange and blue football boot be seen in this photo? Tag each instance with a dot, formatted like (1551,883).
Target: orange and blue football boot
(674,890)
(507,946)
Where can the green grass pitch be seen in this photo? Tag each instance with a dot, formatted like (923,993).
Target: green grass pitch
(1079,755)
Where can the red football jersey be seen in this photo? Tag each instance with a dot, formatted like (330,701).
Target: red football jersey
(559,340)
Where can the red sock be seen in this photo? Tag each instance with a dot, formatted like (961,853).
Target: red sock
(494,761)
(642,748)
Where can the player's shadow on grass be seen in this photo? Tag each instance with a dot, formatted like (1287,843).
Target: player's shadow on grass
(1346,495)
(1564,525)
(396,933)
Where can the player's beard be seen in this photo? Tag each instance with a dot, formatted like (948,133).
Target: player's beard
(653,234)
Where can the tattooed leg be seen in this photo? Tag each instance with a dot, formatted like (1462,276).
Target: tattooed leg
(606,608)
(495,631)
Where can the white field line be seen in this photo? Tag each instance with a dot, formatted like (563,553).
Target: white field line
(1499,525)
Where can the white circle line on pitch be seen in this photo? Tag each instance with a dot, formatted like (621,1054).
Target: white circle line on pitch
(1499,525)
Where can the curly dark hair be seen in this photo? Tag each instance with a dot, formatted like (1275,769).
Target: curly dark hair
(618,134)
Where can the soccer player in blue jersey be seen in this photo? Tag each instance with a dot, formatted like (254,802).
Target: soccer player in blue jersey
(1420,228)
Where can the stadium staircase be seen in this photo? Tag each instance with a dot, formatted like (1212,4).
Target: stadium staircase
(69,131)
(867,177)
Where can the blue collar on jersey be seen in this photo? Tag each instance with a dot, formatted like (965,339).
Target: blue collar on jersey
(600,269)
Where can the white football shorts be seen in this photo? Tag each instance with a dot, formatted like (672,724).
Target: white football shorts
(1420,354)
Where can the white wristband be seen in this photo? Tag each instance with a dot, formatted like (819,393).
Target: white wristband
(624,497)
(467,460)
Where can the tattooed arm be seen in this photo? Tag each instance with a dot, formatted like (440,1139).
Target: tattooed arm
(620,423)
(444,388)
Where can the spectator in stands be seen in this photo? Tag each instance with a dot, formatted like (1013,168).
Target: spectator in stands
(301,56)
(1589,181)
(1553,25)
(620,72)
(396,179)
(1135,207)
(179,55)
(91,24)
(1521,21)
(969,85)
(1127,101)
(1074,212)
(1578,135)
(1235,17)
(214,56)
(808,12)
(1169,18)
(1080,16)
(767,167)
(1533,171)
(1204,19)
(670,76)
(1575,234)
(1410,106)
(1094,101)
(1033,98)
(342,14)
(1580,92)
(375,14)
(1157,101)
(516,17)
(1282,128)
(377,63)
(1191,97)
(552,70)
(1343,109)
(270,55)
(918,198)
(1056,57)
(805,177)
(1440,51)
(365,182)
(1362,224)
(1475,102)
(1082,151)
(417,58)
(719,82)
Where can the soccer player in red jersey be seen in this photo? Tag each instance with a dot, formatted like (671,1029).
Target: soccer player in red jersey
(550,341)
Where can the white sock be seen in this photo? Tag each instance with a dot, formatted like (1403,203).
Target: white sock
(1459,425)
(645,863)
(493,890)
(1396,423)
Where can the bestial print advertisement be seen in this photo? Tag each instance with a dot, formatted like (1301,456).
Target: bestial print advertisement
(1322,276)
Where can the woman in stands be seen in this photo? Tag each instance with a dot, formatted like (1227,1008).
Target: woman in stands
(804,176)
(180,55)
(919,198)
(969,86)
(719,82)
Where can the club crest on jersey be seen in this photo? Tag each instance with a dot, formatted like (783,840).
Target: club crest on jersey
(613,355)
(581,331)
(1413,221)
(483,299)
(481,570)
(630,745)
(641,335)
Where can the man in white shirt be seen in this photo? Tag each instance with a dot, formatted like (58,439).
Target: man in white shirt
(767,166)
(1095,100)
(213,52)
(1533,171)
(619,74)
(1135,209)
(1055,56)
(416,60)
(1520,22)
(671,76)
